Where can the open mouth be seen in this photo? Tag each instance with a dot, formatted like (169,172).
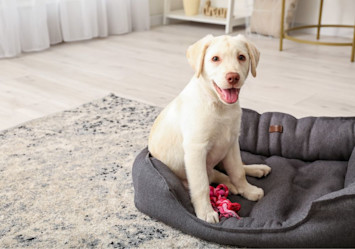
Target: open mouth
(229,95)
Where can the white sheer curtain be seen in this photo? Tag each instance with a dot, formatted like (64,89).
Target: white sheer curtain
(33,25)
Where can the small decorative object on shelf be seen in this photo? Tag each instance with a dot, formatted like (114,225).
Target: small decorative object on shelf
(215,12)
(191,7)
(231,20)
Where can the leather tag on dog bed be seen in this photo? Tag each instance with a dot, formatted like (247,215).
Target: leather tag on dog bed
(276,128)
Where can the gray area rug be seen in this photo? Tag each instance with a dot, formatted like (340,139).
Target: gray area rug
(65,181)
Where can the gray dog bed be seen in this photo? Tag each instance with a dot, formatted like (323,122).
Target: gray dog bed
(309,195)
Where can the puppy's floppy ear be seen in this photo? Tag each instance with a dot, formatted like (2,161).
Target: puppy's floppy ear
(196,53)
(254,55)
(253,52)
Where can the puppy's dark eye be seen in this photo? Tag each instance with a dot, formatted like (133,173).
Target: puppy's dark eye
(241,57)
(215,58)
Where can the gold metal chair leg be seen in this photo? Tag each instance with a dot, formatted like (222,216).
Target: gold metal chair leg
(282,24)
(319,18)
(353,49)
(284,33)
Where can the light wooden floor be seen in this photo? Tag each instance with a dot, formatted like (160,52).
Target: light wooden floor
(151,67)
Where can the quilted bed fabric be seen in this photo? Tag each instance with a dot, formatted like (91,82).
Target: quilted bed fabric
(309,196)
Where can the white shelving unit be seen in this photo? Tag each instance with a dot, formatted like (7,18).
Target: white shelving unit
(228,22)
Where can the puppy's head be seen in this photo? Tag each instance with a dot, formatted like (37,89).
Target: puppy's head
(224,63)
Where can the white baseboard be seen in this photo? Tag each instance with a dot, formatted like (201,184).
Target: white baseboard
(156,20)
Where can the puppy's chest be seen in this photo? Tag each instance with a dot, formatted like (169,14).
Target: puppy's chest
(220,143)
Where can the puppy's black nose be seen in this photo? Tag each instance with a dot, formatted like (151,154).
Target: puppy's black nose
(232,78)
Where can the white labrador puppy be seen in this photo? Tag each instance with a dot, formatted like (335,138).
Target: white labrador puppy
(200,127)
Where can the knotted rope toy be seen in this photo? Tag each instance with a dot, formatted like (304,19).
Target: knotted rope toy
(220,203)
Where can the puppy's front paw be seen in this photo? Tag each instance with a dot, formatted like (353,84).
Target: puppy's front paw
(232,188)
(252,193)
(257,170)
(210,216)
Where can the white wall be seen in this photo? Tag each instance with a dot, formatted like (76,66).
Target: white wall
(157,9)
(334,12)
(157,6)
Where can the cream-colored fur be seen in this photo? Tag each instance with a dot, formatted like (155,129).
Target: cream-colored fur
(200,127)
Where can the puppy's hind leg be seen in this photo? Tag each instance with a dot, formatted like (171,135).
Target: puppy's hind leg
(257,170)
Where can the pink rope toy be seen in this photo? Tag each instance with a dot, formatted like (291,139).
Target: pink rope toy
(221,204)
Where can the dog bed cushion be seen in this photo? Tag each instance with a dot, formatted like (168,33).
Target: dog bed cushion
(309,195)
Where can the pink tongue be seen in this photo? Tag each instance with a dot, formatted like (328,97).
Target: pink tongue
(230,95)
